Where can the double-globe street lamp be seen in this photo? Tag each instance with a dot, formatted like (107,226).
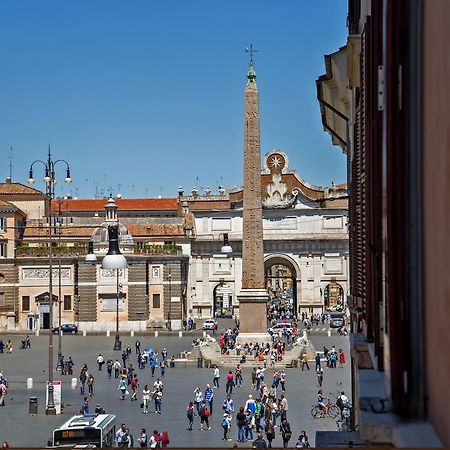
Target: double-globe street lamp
(50,181)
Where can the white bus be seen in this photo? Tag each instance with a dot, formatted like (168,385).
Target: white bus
(89,430)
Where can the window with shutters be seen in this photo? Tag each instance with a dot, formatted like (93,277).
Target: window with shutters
(2,299)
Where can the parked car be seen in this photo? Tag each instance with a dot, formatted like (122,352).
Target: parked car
(208,324)
(337,320)
(281,326)
(66,328)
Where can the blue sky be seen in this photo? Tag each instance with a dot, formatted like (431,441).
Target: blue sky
(142,96)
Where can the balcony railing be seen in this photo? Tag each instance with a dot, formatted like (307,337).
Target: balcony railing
(57,250)
(81,250)
(155,249)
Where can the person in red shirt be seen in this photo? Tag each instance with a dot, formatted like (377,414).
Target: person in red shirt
(341,358)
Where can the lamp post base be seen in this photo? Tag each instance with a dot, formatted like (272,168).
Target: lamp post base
(117,343)
(58,364)
(50,409)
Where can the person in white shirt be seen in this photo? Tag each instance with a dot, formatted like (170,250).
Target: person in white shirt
(198,397)
(158,384)
(216,377)
(145,399)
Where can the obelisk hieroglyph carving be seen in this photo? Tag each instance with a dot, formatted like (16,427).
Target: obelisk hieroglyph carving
(253,296)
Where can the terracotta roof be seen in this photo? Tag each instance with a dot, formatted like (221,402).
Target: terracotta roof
(124,204)
(10,188)
(136,230)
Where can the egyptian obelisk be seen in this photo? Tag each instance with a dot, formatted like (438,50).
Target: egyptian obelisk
(253,296)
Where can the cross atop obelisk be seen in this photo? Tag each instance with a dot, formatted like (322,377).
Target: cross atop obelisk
(251,50)
(253,296)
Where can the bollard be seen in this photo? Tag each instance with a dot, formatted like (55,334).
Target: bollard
(108,333)
(84,332)
(37,332)
(329,333)
(204,334)
(132,333)
(156,334)
(33,405)
(180,334)
(74,383)
(30,383)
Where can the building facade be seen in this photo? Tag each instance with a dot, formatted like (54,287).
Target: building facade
(384,100)
(305,243)
(154,238)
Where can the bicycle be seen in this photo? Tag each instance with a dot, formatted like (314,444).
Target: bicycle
(317,412)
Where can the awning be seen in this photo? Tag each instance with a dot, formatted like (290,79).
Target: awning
(333,95)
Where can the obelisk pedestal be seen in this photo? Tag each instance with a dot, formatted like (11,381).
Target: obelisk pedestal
(253,296)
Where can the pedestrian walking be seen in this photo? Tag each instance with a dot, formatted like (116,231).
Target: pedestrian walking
(162,367)
(145,399)
(216,377)
(143,439)
(90,384)
(209,397)
(3,392)
(259,442)
(318,362)
(153,364)
(83,379)
(157,397)
(85,407)
(100,361)
(254,378)
(155,440)
(240,422)
(238,376)
(137,346)
(283,380)
(122,388)
(228,405)
(320,377)
(204,416)
(164,439)
(226,426)
(109,367)
(270,433)
(341,358)
(230,383)
(305,361)
(134,387)
(190,415)
(117,368)
(286,432)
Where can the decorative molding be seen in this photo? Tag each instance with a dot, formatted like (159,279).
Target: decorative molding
(111,273)
(42,274)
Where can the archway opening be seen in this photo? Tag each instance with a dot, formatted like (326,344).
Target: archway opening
(333,297)
(281,285)
(223,304)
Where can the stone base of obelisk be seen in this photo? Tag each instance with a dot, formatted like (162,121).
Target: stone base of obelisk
(253,316)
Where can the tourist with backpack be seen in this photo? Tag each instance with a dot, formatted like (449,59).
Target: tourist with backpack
(155,440)
(190,415)
(165,439)
(286,432)
(226,425)
(204,415)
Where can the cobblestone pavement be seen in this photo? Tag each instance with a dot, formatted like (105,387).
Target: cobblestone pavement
(21,429)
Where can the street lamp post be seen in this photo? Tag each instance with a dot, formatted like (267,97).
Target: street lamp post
(50,182)
(169,318)
(115,260)
(59,359)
